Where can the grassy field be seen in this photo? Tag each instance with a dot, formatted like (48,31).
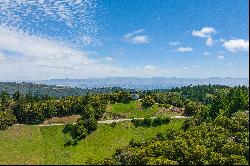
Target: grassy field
(134,110)
(23,144)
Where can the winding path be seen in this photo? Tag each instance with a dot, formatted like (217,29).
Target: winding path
(111,121)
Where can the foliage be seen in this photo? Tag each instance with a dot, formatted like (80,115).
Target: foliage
(148,101)
(42,91)
(207,143)
(113,124)
(148,122)
(6,119)
(84,126)
(217,133)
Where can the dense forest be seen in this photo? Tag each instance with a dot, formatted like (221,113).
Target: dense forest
(39,90)
(217,131)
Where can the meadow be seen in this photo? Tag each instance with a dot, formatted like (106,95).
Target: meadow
(133,109)
(30,144)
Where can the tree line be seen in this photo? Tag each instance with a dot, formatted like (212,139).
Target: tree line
(29,109)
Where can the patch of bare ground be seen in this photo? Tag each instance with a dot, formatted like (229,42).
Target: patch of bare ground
(66,119)
(163,111)
(109,107)
(138,105)
(16,130)
(113,115)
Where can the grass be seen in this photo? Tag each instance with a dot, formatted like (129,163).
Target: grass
(133,109)
(23,144)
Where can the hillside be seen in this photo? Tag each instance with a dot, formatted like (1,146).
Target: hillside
(24,144)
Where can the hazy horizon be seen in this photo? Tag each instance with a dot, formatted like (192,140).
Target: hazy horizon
(204,78)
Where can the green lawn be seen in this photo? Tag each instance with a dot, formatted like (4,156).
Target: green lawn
(21,145)
(45,145)
(133,109)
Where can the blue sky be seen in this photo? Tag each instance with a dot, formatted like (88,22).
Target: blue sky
(143,38)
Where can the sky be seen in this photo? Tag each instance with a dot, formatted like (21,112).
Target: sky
(50,39)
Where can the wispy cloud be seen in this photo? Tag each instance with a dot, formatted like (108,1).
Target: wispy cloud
(142,39)
(76,17)
(205,32)
(136,37)
(184,49)
(41,51)
(53,59)
(236,45)
(131,34)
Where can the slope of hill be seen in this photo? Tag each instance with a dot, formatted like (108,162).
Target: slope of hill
(26,144)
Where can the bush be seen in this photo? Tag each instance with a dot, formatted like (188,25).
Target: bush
(148,101)
(7,119)
(148,122)
(113,124)
(166,120)
(157,121)
(80,130)
(137,122)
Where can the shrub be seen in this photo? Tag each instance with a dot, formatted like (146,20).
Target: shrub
(113,124)
(7,119)
(148,122)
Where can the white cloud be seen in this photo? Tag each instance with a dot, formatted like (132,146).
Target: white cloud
(39,58)
(184,49)
(136,37)
(78,15)
(236,45)
(205,32)
(174,43)
(129,35)
(209,41)
(40,51)
(221,57)
(206,53)
(87,40)
(140,39)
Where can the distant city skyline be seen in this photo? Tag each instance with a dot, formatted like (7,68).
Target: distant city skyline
(81,39)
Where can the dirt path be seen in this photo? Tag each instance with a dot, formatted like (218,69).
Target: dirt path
(111,121)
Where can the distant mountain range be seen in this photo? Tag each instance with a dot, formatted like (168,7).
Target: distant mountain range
(144,83)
